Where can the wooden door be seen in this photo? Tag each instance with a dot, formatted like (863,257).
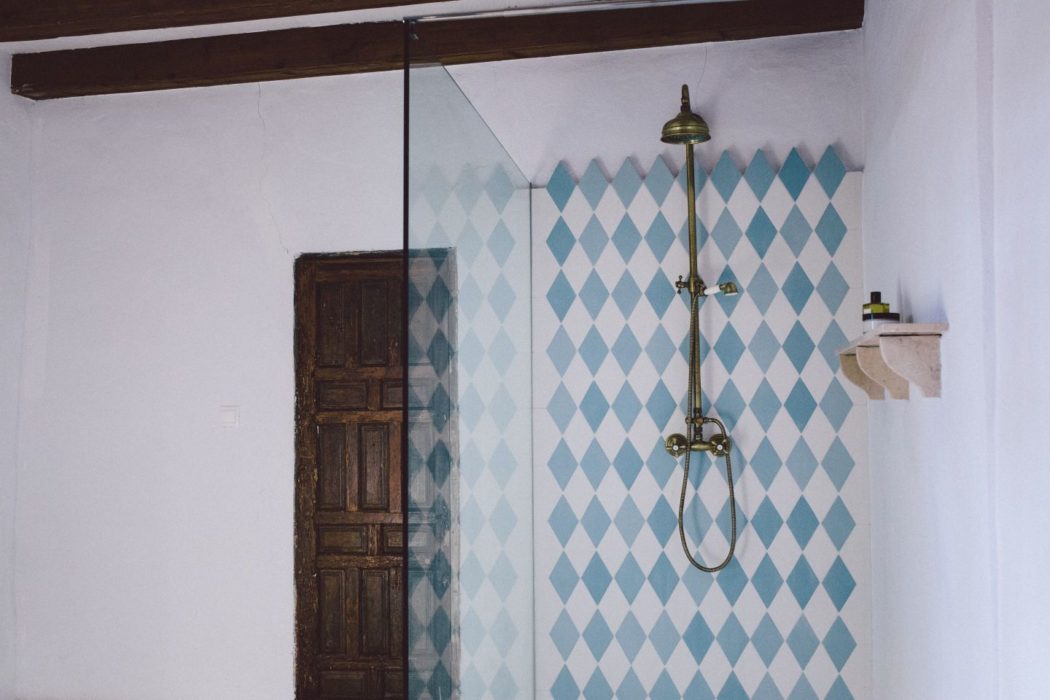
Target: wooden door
(349,517)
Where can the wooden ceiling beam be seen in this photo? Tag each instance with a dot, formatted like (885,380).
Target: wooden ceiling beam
(357,48)
(28,20)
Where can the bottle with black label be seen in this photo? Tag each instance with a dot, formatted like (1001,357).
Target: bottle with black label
(877,312)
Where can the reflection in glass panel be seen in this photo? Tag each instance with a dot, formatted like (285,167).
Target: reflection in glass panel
(470,423)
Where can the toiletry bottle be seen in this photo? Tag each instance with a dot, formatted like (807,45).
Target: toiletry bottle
(877,313)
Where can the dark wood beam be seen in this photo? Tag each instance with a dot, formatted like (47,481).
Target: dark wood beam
(358,48)
(25,20)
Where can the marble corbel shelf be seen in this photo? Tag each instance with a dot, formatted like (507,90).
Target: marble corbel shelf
(887,358)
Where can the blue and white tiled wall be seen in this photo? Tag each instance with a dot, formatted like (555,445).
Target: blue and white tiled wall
(619,612)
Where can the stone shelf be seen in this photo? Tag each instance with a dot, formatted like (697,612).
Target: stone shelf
(887,358)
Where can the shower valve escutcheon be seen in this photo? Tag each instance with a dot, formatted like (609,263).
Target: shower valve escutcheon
(677,444)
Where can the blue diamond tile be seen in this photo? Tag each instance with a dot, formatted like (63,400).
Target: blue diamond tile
(839,643)
(439,299)
(764,347)
(501,297)
(698,638)
(597,635)
(594,294)
(629,520)
(471,407)
(838,523)
(767,580)
(839,691)
(728,302)
(596,578)
(659,180)
(838,463)
(830,171)
(471,575)
(503,520)
(832,288)
(597,687)
(560,296)
(595,463)
(468,188)
(565,687)
(723,517)
(839,583)
(440,683)
(439,463)
(593,350)
(563,521)
(439,352)
(659,237)
(794,174)
(593,239)
(729,347)
(725,176)
(499,188)
(802,581)
(471,519)
(627,406)
(661,465)
(697,583)
(562,463)
(440,630)
(561,241)
(798,346)
(730,405)
(662,521)
(836,404)
(503,576)
(630,578)
(664,637)
(503,685)
(501,243)
(759,174)
(661,405)
(767,639)
(502,408)
(593,184)
(698,689)
(732,638)
(766,462)
(594,406)
(660,293)
(631,688)
(630,636)
(830,343)
(665,689)
(563,577)
(802,522)
(626,238)
(802,463)
(800,405)
(732,580)
(502,351)
(660,349)
(802,642)
(472,631)
(627,182)
(663,578)
(726,233)
(765,404)
(504,633)
(626,294)
(767,521)
(761,232)
(560,351)
(767,690)
(626,350)
(596,521)
(628,463)
(762,289)
(796,231)
(803,691)
(831,229)
(732,690)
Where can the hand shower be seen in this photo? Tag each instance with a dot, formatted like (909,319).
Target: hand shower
(690,129)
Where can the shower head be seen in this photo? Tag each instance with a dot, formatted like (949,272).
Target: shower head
(686,127)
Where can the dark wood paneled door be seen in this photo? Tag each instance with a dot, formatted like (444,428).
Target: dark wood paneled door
(349,516)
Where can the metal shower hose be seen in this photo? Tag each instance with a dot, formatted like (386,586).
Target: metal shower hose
(694,331)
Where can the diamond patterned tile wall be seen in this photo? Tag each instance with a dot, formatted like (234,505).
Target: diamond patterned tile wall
(619,611)
(470,452)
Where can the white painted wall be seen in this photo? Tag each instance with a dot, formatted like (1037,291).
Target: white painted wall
(155,547)
(14,253)
(1022,260)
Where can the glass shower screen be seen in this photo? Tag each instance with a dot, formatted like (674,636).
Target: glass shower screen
(469,411)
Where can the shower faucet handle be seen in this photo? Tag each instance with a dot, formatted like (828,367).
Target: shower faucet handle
(681,284)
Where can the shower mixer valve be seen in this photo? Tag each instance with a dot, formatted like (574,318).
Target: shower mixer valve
(677,444)
(695,285)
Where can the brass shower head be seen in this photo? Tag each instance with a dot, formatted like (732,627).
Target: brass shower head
(687,127)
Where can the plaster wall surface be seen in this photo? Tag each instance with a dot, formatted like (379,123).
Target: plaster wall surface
(154,552)
(1022,251)
(14,253)
(926,242)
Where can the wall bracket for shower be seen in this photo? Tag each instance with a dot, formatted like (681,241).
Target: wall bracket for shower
(887,358)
